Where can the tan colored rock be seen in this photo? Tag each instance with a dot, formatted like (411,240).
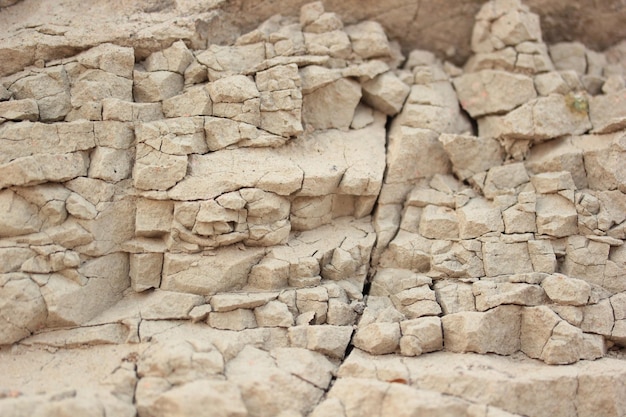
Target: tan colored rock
(506,258)
(540,119)
(195,101)
(335,44)
(598,318)
(155,170)
(421,335)
(150,87)
(479,217)
(23,308)
(488,91)
(454,296)
(154,218)
(331,106)
(470,154)
(51,90)
(505,179)
(273,314)
(145,270)
(79,207)
(386,93)
(230,266)
(232,301)
(368,40)
(124,111)
(569,56)
(497,330)
(238,319)
(439,222)
(225,399)
(607,112)
(223,61)
(565,290)
(378,338)
(552,182)
(25,109)
(542,256)
(536,329)
(176,58)
(556,216)
(18,216)
(585,259)
(490,294)
(328,340)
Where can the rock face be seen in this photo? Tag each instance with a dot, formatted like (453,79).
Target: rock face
(248,221)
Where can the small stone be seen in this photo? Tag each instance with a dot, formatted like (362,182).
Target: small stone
(145,270)
(386,93)
(232,320)
(368,40)
(567,291)
(378,338)
(150,87)
(25,109)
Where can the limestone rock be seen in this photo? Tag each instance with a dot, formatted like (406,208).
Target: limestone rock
(51,90)
(477,218)
(176,58)
(564,290)
(25,109)
(490,294)
(195,101)
(556,216)
(496,330)
(421,335)
(488,91)
(386,93)
(150,87)
(607,112)
(540,119)
(145,270)
(470,154)
(23,308)
(378,338)
(368,40)
(331,106)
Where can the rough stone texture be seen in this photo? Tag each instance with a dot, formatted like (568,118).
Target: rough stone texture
(239,213)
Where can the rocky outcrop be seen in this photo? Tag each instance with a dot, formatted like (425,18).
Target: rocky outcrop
(250,222)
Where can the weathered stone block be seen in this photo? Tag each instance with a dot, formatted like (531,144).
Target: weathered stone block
(145,270)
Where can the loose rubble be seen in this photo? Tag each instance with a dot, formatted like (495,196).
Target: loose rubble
(294,223)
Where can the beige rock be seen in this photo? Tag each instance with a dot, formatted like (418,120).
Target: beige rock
(145,270)
(540,119)
(542,256)
(552,182)
(454,296)
(378,338)
(79,207)
(328,340)
(230,266)
(556,216)
(559,155)
(565,290)
(176,58)
(23,308)
(153,218)
(479,217)
(225,399)
(25,109)
(488,91)
(51,90)
(273,314)
(311,366)
(17,216)
(569,56)
(598,318)
(335,44)
(124,111)
(386,93)
(536,329)
(195,101)
(99,284)
(331,106)
(506,258)
(497,330)
(470,154)
(505,179)
(607,112)
(268,389)
(421,335)
(155,170)
(150,87)
(551,83)
(223,61)
(585,259)
(439,222)
(490,294)
(110,164)
(368,40)
(238,319)
(232,301)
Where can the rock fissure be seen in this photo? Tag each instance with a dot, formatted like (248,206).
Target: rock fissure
(304,222)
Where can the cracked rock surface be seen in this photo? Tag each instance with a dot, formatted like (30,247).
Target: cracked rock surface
(311,219)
